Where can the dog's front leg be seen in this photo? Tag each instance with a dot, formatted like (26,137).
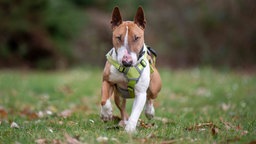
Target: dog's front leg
(137,108)
(106,108)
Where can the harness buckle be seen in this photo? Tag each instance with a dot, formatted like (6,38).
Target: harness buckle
(121,69)
(131,91)
(143,63)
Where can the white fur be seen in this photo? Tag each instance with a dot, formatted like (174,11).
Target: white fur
(116,76)
(126,37)
(134,58)
(106,111)
(120,53)
(149,110)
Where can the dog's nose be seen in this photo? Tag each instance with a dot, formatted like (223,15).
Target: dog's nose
(127,63)
(127,60)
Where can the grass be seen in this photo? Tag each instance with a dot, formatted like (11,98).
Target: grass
(194,106)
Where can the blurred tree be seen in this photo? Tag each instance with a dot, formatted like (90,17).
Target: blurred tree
(57,33)
(217,33)
(37,33)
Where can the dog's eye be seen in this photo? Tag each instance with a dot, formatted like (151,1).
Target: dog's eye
(136,38)
(119,38)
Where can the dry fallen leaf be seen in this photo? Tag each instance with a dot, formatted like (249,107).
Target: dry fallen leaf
(142,140)
(145,125)
(238,128)
(40,114)
(61,122)
(41,141)
(71,140)
(71,123)
(214,130)
(66,113)
(49,112)
(169,142)
(56,141)
(14,125)
(27,112)
(163,120)
(225,107)
(52,108)
(201,126)
(244,132)
(50,130)
(102,139)
(227,125)
(3,112)
(151,135)
(91,121)
(115,140)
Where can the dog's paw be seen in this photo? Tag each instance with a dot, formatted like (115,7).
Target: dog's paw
(130,128)
(106,111)
(149,110)
(122,123)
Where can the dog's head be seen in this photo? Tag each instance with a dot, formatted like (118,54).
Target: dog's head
(128,37)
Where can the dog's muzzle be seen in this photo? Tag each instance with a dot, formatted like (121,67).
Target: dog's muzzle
(127,59)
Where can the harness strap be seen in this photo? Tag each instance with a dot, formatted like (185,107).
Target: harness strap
(132,73)
(119,67)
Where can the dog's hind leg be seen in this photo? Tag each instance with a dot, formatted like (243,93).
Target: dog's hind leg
(155,85)
(149,109)
(154,88)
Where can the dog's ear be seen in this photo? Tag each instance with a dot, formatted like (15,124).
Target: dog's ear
(116,18)
(139,18)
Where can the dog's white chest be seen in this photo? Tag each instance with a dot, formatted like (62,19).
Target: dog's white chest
(117,78)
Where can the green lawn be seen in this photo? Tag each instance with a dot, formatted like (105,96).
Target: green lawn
(194,106)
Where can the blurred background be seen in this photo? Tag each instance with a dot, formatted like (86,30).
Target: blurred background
(59,34)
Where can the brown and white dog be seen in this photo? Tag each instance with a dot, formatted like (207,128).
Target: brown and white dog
(128,43)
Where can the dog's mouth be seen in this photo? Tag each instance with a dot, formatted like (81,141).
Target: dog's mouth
(127,63)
